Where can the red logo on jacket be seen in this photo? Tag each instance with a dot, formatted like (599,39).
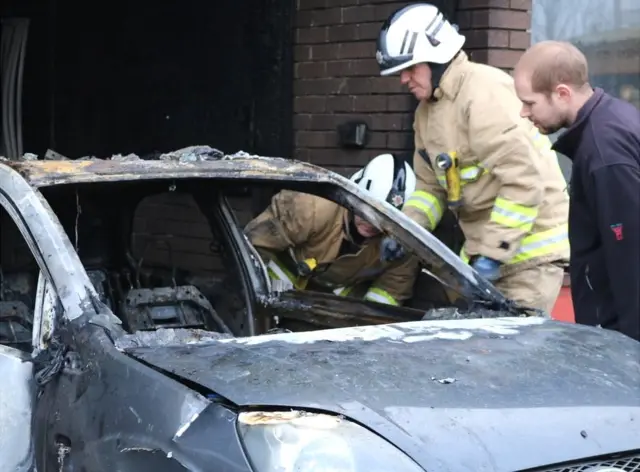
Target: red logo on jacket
(617,231)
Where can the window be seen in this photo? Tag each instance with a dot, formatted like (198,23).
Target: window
(155,253)
(18,282)
(344,278)
(606,31)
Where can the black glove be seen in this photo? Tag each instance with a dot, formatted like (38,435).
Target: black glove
(390,250)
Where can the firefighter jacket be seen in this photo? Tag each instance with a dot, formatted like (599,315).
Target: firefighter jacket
(298,227)
(515,203)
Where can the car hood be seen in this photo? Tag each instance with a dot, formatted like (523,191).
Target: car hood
(508,393)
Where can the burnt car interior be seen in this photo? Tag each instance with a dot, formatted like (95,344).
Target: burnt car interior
(162,254)
(18,280)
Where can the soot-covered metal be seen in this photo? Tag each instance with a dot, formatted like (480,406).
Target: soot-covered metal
(138,367)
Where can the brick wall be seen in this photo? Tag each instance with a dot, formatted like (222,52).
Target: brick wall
(336,79)
(497,31)
(336,75)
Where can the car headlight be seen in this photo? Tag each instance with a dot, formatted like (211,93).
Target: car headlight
(295,441)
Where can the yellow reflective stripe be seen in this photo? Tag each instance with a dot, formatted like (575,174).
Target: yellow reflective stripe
(428,204)
(381,296)
(279,272)
(540,244)
(342,291)
(463,256)
(513,215)
(551,241)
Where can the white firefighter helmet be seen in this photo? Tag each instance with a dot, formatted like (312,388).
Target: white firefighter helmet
(387,178)
(415,34)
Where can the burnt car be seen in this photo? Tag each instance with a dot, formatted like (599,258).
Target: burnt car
(139,331)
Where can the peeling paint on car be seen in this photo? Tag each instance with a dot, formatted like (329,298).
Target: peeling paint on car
(407,332)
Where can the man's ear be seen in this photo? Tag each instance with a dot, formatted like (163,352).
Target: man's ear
(564,91)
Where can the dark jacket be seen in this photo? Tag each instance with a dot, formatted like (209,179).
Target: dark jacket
(604,215)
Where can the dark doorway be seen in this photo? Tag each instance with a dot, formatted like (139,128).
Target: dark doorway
(119,76)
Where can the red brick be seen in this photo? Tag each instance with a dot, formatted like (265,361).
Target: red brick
(357,86)
(400,140)
(352,67)
(302,121)
(359,14)
(387,85)
(371,103)
(521,5)
(323,51)
(486,38)
(341,3)
(316,139)
(312,35)
(519,39)
(479,55)
(323,86)
(339,103)
(309,104)
(330,16)
(382,12)
(369,30)
(310,70)
(301,154)
(464,20)
(343,46)
(338,68)
(500,19)
(510,19)
(355,50)
(473,4)
(401,103)
(390,122)
(354,32)
(342,33)
(304,18)
(325,122)
(301,53)
(311,4)
(344,157)
(504,58)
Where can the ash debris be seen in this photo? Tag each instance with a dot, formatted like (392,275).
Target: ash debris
(167,337)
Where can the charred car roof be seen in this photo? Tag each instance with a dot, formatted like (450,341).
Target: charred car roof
(194,162)
(204,162)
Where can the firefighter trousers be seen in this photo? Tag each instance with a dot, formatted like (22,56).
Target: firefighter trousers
(534,287)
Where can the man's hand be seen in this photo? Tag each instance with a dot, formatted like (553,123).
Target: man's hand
(488,268)
(390,250)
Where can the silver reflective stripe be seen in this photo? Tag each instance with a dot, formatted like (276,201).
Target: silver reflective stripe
(470,172)
(544,242)
(513,215)
(338,291)
(376,297)
(279,272)
(435,211)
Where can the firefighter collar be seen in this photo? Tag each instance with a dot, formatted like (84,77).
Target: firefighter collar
(451,81)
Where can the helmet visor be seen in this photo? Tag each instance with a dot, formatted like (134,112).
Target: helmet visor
(386,60)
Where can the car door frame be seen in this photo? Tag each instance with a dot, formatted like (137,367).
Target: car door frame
(64,290)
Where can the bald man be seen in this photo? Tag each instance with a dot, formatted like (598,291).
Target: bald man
(602,138)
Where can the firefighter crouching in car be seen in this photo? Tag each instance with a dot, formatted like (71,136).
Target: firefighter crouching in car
(313,243)
(475,154)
